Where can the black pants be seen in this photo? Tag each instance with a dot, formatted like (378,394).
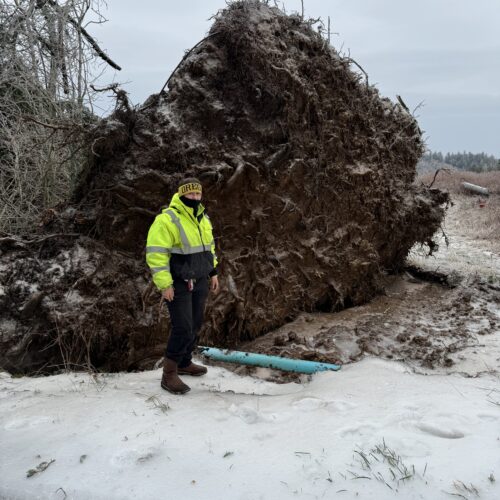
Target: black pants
(186,316)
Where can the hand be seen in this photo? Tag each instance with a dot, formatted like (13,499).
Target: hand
(214,284)
(168,294)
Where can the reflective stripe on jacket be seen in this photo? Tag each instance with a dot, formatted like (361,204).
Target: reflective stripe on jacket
(180,245)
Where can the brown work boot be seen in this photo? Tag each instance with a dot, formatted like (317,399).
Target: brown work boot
(170,380)
(192,369)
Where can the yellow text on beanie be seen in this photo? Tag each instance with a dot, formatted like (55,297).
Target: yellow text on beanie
(189,187)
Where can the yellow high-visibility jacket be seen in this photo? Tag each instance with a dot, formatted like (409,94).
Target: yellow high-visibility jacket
(180,245)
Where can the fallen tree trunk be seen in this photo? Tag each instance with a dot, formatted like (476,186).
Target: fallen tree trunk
(308,177)
(474,188)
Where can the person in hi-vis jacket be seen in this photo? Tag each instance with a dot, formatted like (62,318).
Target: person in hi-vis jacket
(180,253)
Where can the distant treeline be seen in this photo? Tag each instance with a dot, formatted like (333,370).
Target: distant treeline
(475,162)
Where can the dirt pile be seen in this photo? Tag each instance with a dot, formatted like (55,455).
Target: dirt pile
(308,179)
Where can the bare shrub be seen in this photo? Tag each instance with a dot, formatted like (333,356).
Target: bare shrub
(47,63)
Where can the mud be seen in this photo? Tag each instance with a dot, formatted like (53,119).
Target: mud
(404,325)
(308,176)
(441,315)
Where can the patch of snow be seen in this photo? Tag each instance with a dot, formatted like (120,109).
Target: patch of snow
(24,286)
(121,437)
(462,255)
(166,111)
(54,268)
(54,273)
(73,297)
(8,326)
(211,63)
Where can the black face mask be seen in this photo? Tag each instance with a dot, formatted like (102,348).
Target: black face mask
(194,204)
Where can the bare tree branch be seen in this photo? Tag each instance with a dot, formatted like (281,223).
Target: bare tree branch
(351,60)
(47,64)
(447,170)
(88,37)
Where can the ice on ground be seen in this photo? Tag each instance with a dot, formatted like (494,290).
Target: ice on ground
(373,430)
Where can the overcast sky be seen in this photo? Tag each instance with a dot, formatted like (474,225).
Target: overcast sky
(445,53)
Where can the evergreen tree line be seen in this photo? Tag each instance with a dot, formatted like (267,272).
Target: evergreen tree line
(475,162)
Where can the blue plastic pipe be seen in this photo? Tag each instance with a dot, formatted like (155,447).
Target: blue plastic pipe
(253,359)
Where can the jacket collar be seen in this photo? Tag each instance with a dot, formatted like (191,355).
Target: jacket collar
(177,204)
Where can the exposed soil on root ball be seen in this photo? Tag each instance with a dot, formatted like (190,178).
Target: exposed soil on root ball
(308,177)
(442,315)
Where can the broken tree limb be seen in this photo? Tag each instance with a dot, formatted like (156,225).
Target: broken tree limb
(474,188)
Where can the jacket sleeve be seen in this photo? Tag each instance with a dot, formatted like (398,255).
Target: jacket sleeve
(212,248)
(214,271)
(158,247)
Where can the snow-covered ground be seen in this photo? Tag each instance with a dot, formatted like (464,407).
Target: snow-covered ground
(466,253)
(377,429)
(373,430)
